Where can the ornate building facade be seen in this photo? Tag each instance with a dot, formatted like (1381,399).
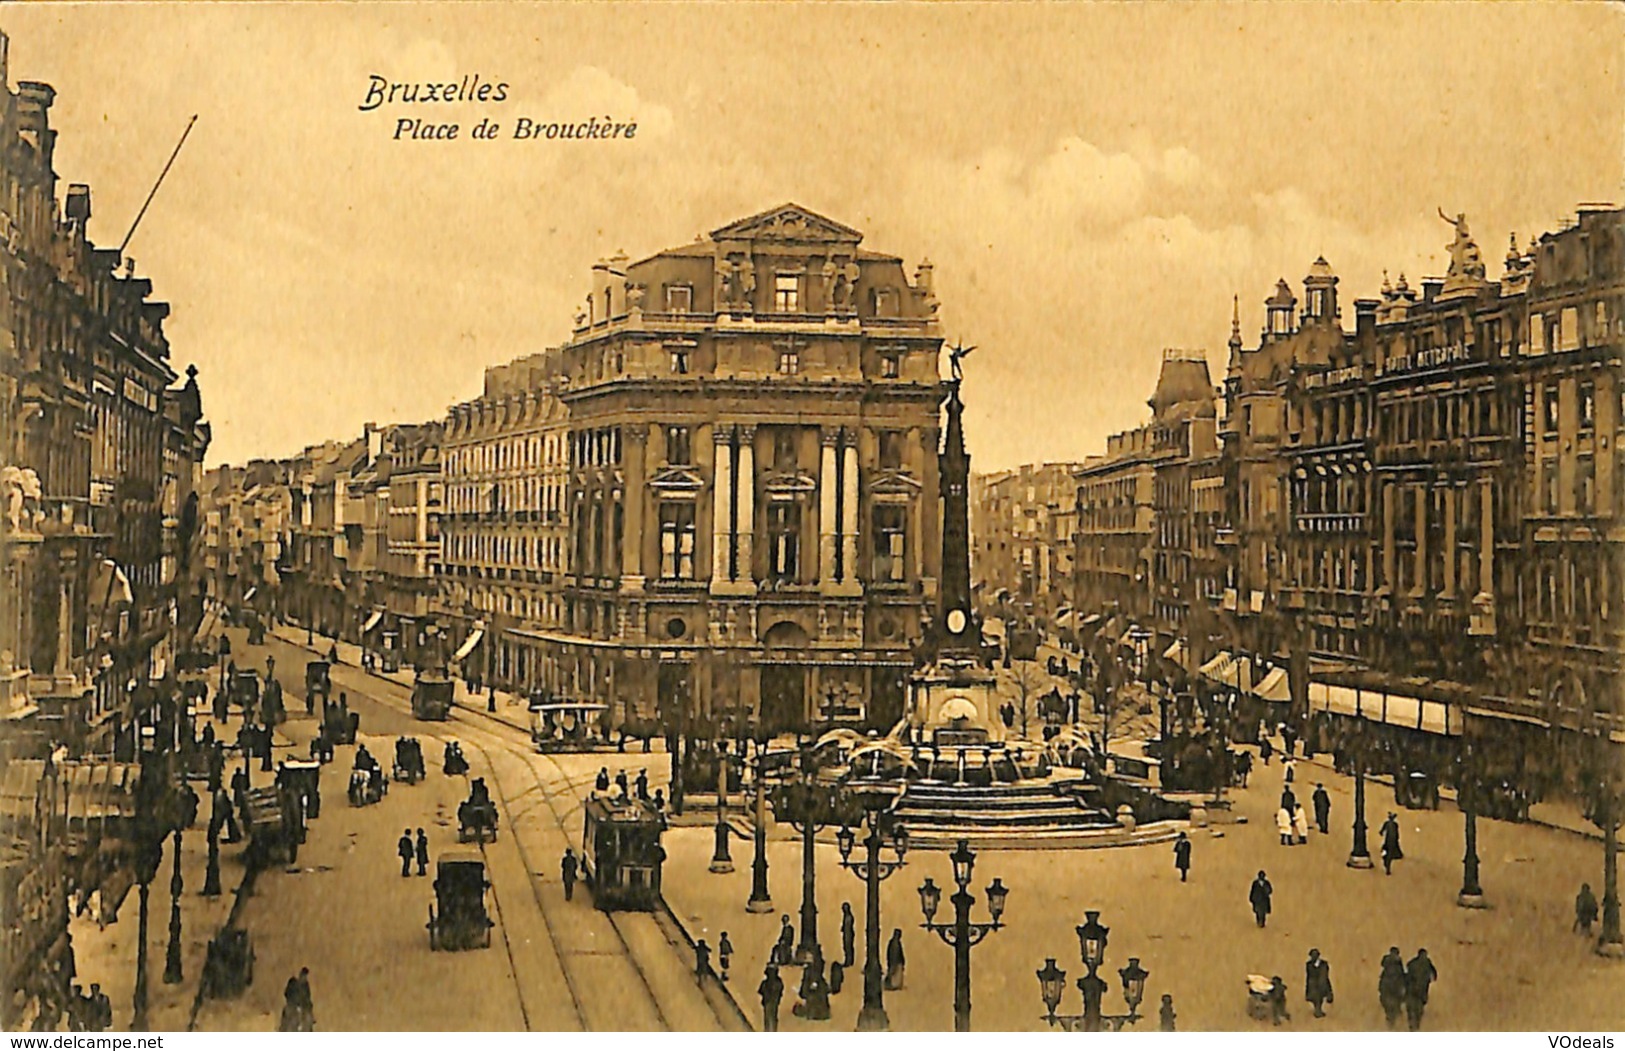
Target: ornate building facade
(754,508)
(1022,522)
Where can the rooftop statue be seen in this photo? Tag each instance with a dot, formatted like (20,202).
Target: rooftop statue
(1465,261)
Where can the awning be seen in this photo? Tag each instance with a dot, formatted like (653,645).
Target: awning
(1093,618)
(1128,637)
(469,643)
(109,586)
(1175,652)
(1412,713)
(249,594)
(372,621)
(1227,669)
(1274,687)
(1064,618)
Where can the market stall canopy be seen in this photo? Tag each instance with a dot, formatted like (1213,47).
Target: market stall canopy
(469,643)
(1274,687)
(1412,713)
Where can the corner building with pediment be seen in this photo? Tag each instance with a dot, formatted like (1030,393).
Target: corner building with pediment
(753,499)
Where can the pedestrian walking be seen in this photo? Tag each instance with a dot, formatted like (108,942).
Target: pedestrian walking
(849,935)
(406,852)
(785,949)
(290,1020)
(1323,808)
(1300,824)
(1259,897)
(622,783)
(1289,767)
(725,954)
(894,960)
(813,1004)
(702,960)
(1265,749)
(423,853)
(771,992)
(1420,974)
(1391,985)
(1289,740)
(333,655)
(837,977)
(1289,800)
(642,784)
(101,1009)
(1283,825)
(1182,856)
(1167,1015)
(1317,982)
(1390,843)
(1585,909)
(601,783)
(1277,1000)
(568,868)
(1244,767)
(221,816)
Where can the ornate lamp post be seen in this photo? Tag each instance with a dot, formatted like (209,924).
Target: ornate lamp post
(1467,767)
(721,861)
(760,899)
(962,935)
(809,807)
(884,831)
(1092,946)
(172,957)
(149,855)
(1359,852)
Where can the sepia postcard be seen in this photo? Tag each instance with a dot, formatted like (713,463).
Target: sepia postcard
(811,518)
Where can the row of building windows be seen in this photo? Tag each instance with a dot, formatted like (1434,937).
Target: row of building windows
(522,452)
(520,551)
(508,496)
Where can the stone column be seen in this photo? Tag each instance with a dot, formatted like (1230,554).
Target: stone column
(829,442)
(1390,508)
(721,505)
(1486,537)
(745,485)
(1421,539)
(849,515)
(634,456)
(1450,540)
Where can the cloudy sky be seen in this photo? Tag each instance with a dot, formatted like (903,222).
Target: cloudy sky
(1093,182)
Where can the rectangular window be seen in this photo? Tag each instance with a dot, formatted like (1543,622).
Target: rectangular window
(1549,409)
(1568,336)
(787,293)
(891,365)
(679,448)
(890,531)
(783,540)
(1585,485)
(789,362)
(679,361)
(784,449)
(679,299)
(1588,404)
(676,541)
(885,302)
(1548,483)
(891,449)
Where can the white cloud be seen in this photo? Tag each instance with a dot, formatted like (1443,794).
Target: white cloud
(592,92)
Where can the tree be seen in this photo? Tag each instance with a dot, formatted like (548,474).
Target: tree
(1027,679)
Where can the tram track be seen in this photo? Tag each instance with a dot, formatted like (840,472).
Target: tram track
(659,1004)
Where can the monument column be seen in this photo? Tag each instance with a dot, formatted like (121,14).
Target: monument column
(849,514)
(635,493)
(745,485)
(828,496)
(721,505)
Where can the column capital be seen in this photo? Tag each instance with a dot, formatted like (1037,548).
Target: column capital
(747,433)
(722,433)
(637,432)
(830,437)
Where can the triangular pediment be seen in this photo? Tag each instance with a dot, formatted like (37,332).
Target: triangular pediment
(789,483)
(677,481)
(788,222)
(895,482)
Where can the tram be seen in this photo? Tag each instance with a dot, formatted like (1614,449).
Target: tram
(622,854)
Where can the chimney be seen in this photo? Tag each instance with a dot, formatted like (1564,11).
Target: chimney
(77,208)
(34,100)
(1365,318)
(1430,288)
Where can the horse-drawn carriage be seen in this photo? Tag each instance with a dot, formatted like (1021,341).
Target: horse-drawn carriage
(318,682)
(273,827)
(339,723)
(431,696)
(457,919)
(622,855)
(228,967)
(477,814)
(302,780)
(566,726)
(245,689)
(409,760)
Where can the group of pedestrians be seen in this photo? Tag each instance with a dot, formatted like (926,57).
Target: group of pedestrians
(298,1010)
(410,849)
(627,788)
(815,989)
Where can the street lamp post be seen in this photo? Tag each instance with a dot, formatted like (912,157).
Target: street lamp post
(1360,851)
(962,934)
(760,899)
(884,831)
(211,874)
(173,972)
(809,807)
(1092,946)
(1472,894)
(721,860)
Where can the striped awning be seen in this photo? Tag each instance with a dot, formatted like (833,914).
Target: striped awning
(469,643)
(1227,669)
(1274,687)
(1175,652)
(1412,713)
(372,621)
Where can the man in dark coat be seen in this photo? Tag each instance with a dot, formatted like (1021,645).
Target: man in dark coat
(1323,808)
(1392,985)
(601,782)
(1259,896)
(786,947)
(405,850)
(1265,749)
(1420,974)
(849,935)
(772,993)
(1182,856)
(1317,982)
(1585,909)
(423,853)
(1390,844)
(568,868)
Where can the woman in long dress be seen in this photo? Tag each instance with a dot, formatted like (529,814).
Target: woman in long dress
(894,960)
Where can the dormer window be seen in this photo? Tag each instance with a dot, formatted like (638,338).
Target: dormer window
(679,299)
(885,302)
(787,293)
